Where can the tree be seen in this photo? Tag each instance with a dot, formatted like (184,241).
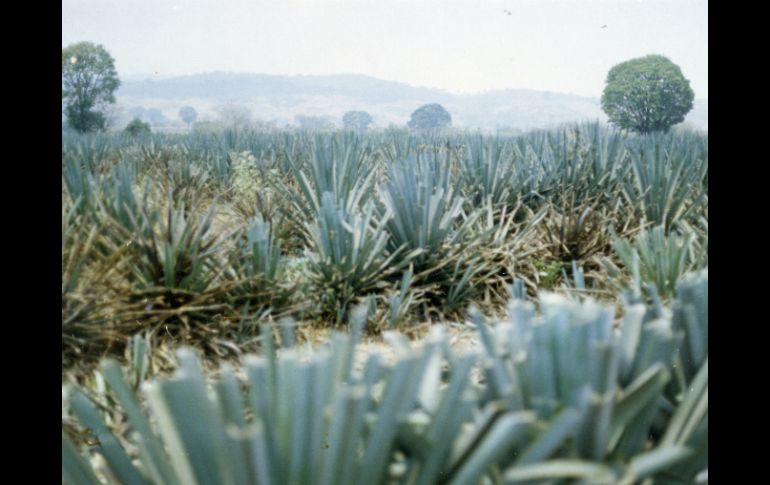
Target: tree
(234,116)
(188,115)
(357,120)
(138,127)
(647,94)
(89,81)
(430,117)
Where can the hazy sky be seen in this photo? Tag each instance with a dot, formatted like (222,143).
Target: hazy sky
(460,46)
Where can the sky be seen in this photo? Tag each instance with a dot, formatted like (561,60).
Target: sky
(462,46)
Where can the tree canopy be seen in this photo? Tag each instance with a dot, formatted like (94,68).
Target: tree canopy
(357,120)
(647,94)
(89,81)
(188,114)
(430,117)
(138,127)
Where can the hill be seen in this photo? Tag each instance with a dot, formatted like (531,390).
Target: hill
(280,99)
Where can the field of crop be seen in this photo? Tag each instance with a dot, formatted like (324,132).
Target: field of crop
(215,289)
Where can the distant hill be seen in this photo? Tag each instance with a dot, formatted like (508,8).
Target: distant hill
(280,98)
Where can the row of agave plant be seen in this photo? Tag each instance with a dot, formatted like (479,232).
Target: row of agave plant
(665,177)
(668,173)
(559,395)
(417,227)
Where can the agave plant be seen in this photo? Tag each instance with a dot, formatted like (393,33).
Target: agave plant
(172,270)
(578,233)
(118,203)
(315,164)
(426,210)
(607,157)
(534,178)
(94,151)
(700,241)
(486,172)
(82,272)
(309,421)
(681,415)
(596,393)
(653,257)
(264,257)
(252,194)
(80,185)
(690,318)
(349,255)
(401,300)
(686,397)
(179,255)
(668,181)
(576,288)
(584,163)
(563,398)
(240,140)
(183,182)
(339,166)
(441,239)
(155,153)
(590,164)
(303,420)
(502,242)
(400,145)
(256,268)
(207,151)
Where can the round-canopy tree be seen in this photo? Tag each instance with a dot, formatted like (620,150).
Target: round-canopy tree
(430,117)
(357,120)
(188,115)
(88,83)
(137,128)
(647,94)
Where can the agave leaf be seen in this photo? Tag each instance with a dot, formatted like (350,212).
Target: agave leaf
(495,447)
(690,412)
(652,462)
(639,394)
(399,396)
(563,426)
(594,473)
(74,469)
(151,449)
(117,459)
(447,420)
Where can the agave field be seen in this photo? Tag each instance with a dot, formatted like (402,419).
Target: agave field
(217,290)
